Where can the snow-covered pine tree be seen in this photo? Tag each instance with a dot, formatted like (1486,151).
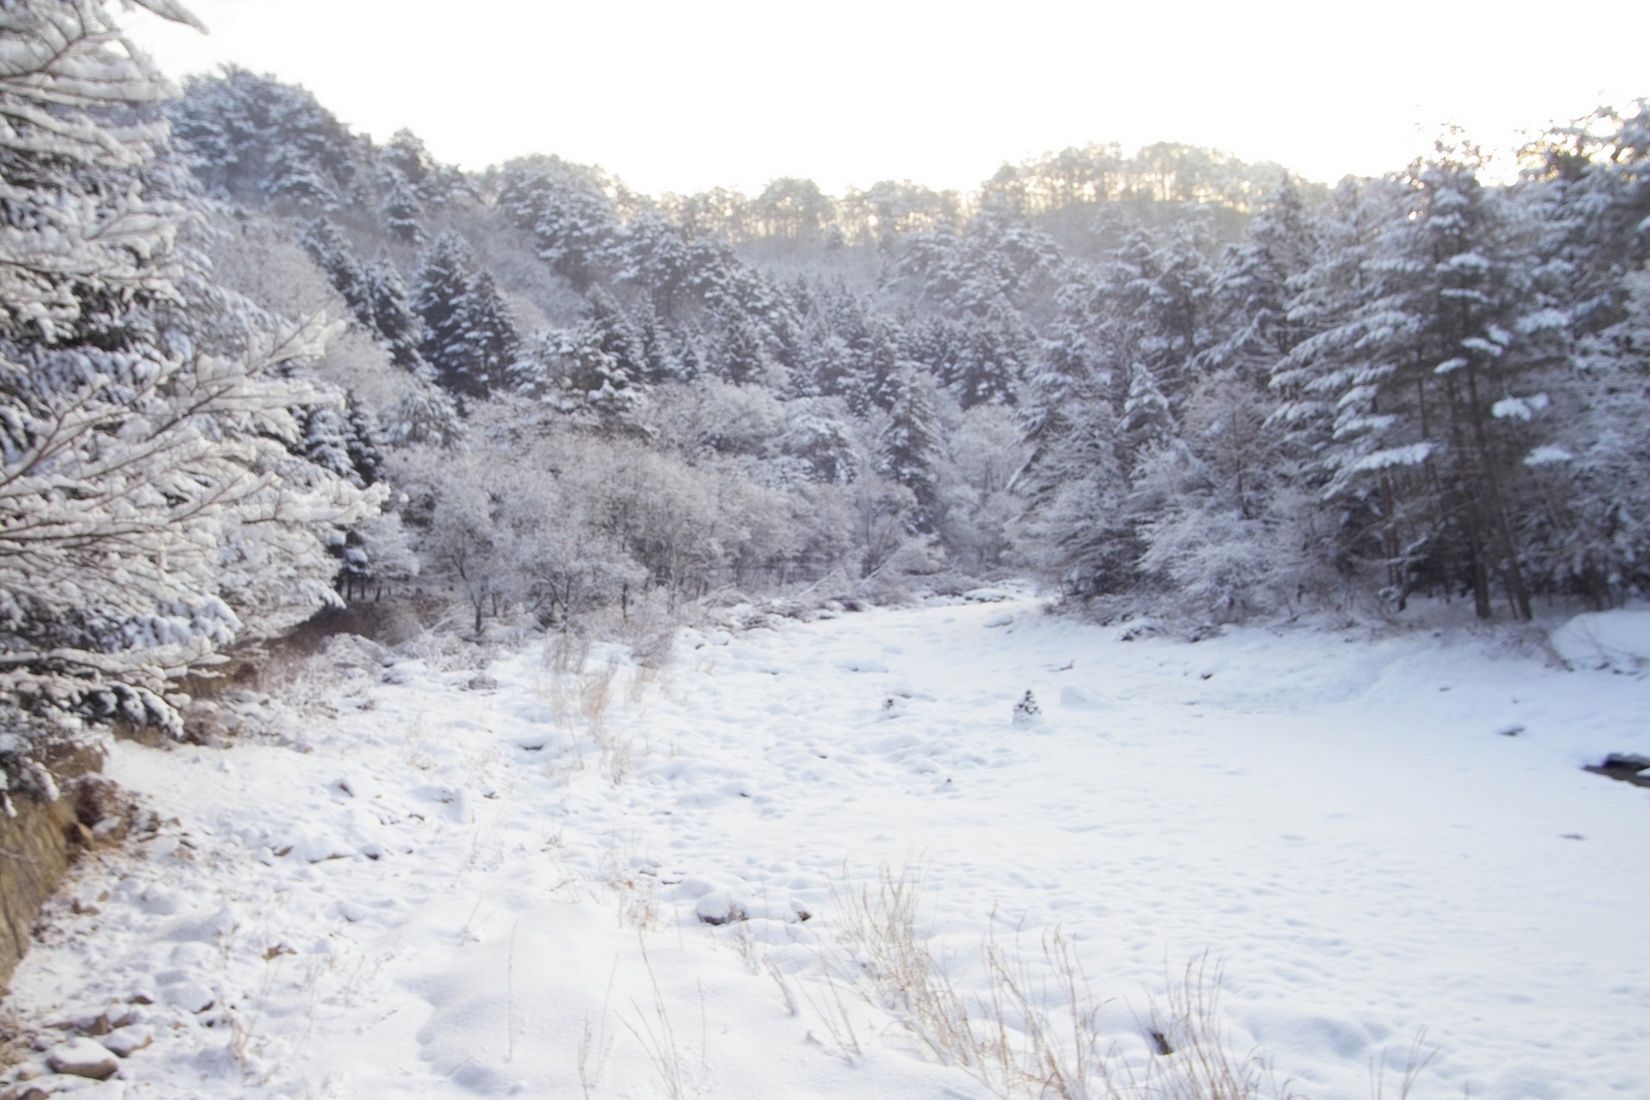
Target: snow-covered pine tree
(1432,374)
(833,322)
(1147,426)
(692,354)
(1178,301)
(654,254)
(334,254)
(440,288)
(1588,529)
(743,356)
(873,345)
(1073,531)
(363,441)
(406,155)
(992,358)
(1048,410)
(294,181)
(1074,480)
(567,212)
(615,333)
(1229,398)
(1217,536)
(659,359)
(1585,198)
(424,416)
(399,211)
(345,441)
(325,442)
(152,503)
(1117,307)
(999,260)
(1305,380)
(400,330)
(257,140)
(1251,294)
(761,335)
(1593,179)
(1094,485)
(572,371)
(911,450)
(493,342)
(933,342)
(470,338)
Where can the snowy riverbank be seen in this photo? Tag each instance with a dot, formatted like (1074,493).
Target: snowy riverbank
(480,881)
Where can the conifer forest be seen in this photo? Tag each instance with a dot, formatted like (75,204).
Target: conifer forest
(258,368)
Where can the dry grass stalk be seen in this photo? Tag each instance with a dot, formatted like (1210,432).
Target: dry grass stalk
(1035,1032)
(1416,1061)
(904,975)
(657,1037)
(1200,1064)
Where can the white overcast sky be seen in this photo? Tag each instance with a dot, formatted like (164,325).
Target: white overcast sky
(689,95)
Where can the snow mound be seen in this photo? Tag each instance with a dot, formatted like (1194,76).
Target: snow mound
(1615,640)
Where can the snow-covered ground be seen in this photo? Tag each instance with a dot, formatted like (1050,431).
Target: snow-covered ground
(485,881)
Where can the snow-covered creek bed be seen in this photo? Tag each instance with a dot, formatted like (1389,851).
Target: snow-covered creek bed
(504,882)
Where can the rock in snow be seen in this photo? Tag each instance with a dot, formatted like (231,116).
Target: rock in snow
(189,996)
(83,1058)
(124,1040)
(717,907)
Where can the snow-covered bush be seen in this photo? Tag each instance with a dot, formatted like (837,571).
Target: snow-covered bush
(712,417)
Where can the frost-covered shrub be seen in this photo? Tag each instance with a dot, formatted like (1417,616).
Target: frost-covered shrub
(712,417)
(1216,565)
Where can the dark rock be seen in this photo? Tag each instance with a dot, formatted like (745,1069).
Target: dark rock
(1629,767)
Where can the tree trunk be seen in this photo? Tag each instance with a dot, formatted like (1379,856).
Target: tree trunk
(1466,488)
(1518,594)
